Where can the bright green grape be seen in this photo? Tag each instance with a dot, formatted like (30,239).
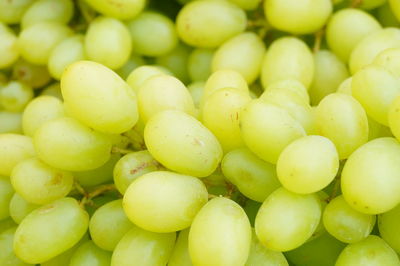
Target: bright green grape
(120,9)
(8,47)
(10,122)
(199,64)
(139,75)
(6,193)
(15,96)
(389,229)
(20,208)
(89,254)
(133,62)
(11,12)
(389,59)
(33,75)
(7,255)
(180,254)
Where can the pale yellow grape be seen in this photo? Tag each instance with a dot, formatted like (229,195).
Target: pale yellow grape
(66,52)
(291,87)
(370,251)
(371,45)
(48,10)
(143,248)
(11,12)
(242,53)
(7,255)
(196,89)
(14,148)
(33,75)
(389,59)
(286,220)
(376,89)
(176,61)
(89,254)
(120,9)
(395,6)
(163,92)
(8,47)
(15,95)
(386,16)
(371,176)
(389,229)
(180,254)
(108,42)
(247,4)
(288,58)
(221,114)
(346,28)
(36,43)
(50,230)
(98,97)
(139,75)
(297,16)
(267,129)
(20,208)
(345,86)
(199,64)
(10,122)
(182,144)
(164,202)
(6,193)
(371,4)
(53,90)
(133,62)
(220,234)
(66,144)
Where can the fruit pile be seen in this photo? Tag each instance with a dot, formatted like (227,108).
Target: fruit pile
(200,132)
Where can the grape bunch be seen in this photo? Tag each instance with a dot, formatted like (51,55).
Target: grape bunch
(200,132)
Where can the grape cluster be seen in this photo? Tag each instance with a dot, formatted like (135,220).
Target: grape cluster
(200,132)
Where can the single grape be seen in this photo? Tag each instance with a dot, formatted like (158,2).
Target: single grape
(8,47)
(7,255)
(20,208)
(10,122)
(120,9)
(31,74)
(180,254)
(15,96)
(6,193)
(199,64)
(139,75)
(89,254)
(11,12)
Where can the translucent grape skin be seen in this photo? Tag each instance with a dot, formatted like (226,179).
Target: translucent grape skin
(15,95)
(10,122)
(199,64)
(7,255)
(20,208)
(33,75)
(389,59)
(388,227)
(120,9)
(180,254)
(6,193)
(89,253)
(139,75)
(12,12)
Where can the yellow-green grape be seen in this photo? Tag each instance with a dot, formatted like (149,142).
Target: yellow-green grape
(267,129)
(20,208)
(14,148)
(389,229)
(53,90)
(7,255)
(191,150)
(40,183)
(219,222)
(199,64)
(176,61)
(389,59)
(345,86)
(386,16)
(15,96)
(180,254)
(371,45)
(143,248)
(89,254)
(347,28)
(139,75)
(340,118)
(108,42)
(221,114)
(8,47)
(163,37)
(329,73)
(36,43)
(261,256)
(109,224)
(163,92)
(32,75)
(48,10)
(78,148)
(11,12)
(319,168)
(209,23)
(10,122)
(98,97)
(377,130)
(393,117)
(133,62)
(288,58)
(395,7)
(242,53)
(371,4)
(376,89)
(286,220)
(247,4)
(163,201)
(50,230)
(6,224)
(196,89)
(66,52)
(294,88)
(370,251)
(370,180)
(6,193)
(120,9)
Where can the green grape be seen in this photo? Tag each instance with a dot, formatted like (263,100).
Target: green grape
(395,7)
(133,62)
(163,37)
(242,53)
(10,122)
(132,166)
(199,64)
(345,86)
(15,96)
(8,47)
(78,148)
(164,202)
(7,255)
(209,23)
(120,9)
(286,220)
(192,150)
(196,89)
(20,208)
(48,10)
(370,251)
(267,129)
(40,183)
(14,148)
(329,73)
(176,61)
(36,43)
(33,75)
(143,248)
(247,4)
(220,234)
(221,114)
(66,52)
(371,45)
(370,179)
(139,75)
(6,224)
(371,4)
(89,254)
(375,88)
(389,60)
(108,42)
(98,97)
(377,130)
(180,254)
(287,58)
(386,16)
(393,117)
(389,229)
(50,230)
(340,118)
(11,12)
(253,177)
(291,87)
(6,193)
(52,90)
(347,28)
